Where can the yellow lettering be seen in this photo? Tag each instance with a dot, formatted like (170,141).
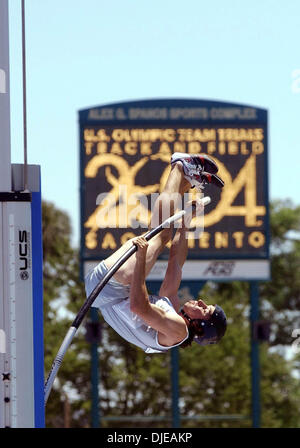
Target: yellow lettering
(221,239)
(137,214)
(200,135)
(211,147)
(89,135)
(146,148)
(244,149)
(88,148)
(191,242)
(164,149)
(102,136)
(238,237)
(258,134)
(116,149)
(105,213)
(238,135)
(222,148)
(120,135)
(221,134)
(257,147)
(204,240)
(181,133)
(101,148)
(179,147)
(131,148)
(204,135)
(256,239)
(169,135)
(91,241)
(108,242)
(212,141)
(246,179)
(233,148)
(169,244)
(126,236)
(194,148)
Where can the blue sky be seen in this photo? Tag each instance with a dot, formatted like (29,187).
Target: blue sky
(86,53)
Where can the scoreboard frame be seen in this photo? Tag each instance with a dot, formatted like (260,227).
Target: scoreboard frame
(186,114)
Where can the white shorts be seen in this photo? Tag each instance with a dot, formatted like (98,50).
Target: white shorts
(112,290)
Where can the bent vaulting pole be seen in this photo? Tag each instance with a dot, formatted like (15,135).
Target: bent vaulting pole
(92,297)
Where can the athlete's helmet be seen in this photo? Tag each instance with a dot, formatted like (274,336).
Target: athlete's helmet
(211,330)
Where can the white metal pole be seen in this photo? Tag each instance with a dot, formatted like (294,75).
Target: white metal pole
(5,151)
(24,98)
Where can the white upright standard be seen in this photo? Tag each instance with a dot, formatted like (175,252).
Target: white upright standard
(21,316)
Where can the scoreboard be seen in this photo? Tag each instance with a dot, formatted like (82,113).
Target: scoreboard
(125,152)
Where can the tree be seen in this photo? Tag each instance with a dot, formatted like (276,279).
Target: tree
(63,296)
(281,295)
(216,380)
(213,380)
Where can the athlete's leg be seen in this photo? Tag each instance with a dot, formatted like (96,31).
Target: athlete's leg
(156,245)
(168,200)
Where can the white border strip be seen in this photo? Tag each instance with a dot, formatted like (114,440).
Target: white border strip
(12,319)
(214,270)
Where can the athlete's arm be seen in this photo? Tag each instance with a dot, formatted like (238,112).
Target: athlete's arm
(169,324)
(138,292)
(177,257)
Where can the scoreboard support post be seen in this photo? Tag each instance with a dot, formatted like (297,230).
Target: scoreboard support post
(194,288)
(255,364)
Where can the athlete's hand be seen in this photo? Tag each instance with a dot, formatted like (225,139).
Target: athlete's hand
(194,208)
(197,207)
(142,246)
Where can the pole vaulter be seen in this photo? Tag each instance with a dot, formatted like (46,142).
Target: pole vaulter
(154,323)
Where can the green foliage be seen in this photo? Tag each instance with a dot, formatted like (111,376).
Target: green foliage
(130,378)
(281,296)
(63,296)
(214,381)
(280,391)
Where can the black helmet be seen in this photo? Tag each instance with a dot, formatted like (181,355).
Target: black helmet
(213,329)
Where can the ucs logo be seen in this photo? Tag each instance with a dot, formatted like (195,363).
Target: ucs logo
(23,254)
(24,275)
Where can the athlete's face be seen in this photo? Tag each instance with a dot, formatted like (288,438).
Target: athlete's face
(197,309)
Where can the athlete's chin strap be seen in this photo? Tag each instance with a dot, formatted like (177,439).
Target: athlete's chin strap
(185,315)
